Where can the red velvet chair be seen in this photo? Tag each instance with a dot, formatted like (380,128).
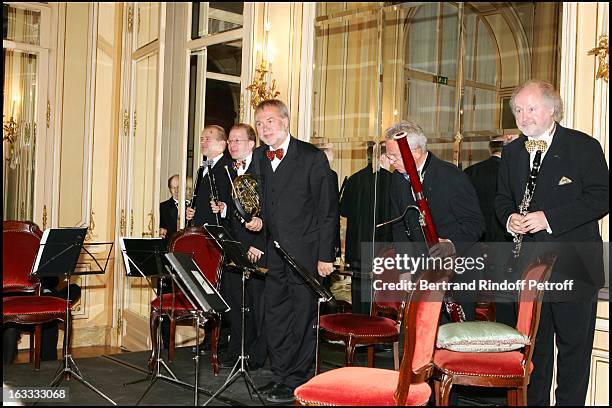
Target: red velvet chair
(176,307)
(375,386)
(20,243)
(509,369)
(380,327)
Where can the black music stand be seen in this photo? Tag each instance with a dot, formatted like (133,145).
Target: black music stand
(59,253)
(322,293)
(144,258)
(202,295)
(233,252)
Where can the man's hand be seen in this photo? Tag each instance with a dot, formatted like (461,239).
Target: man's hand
(189,213)
(255,225)
(254,254)
(535,222)
(217,207)
(516,223)
(163,232)
(443,249)
(325,268)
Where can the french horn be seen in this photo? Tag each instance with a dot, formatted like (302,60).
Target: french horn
(245,196)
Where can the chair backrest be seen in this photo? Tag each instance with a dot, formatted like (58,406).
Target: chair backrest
(388,303)
(206,253)
(421,319)
(20,243)
(530,300)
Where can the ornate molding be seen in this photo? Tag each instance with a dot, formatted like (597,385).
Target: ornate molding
(44,217)
(122,223)
(92,225)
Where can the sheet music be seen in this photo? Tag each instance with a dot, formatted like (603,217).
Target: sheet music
(43,240)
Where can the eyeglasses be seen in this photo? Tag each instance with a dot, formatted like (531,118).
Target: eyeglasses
(236,141)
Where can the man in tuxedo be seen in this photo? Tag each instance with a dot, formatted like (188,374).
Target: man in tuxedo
(571,195)
(300,213)
(204,210)
(241,144)
(452,201)
(168,211)
(483,176)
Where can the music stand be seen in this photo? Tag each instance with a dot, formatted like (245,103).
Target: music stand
(324,295)
(144,258)
(202,295)
(59,252)
(232,250)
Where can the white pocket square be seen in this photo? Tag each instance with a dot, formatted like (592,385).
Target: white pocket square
(564,180)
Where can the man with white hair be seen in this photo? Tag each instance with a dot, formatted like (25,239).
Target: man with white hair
(451,197)
(570,197)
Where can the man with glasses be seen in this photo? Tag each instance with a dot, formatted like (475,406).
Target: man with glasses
(245,157)
(451,198)
(300,213)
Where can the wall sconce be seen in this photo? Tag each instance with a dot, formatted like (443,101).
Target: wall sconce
(259,87)
(601,51)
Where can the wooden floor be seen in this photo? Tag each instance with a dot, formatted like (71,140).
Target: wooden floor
(23,356)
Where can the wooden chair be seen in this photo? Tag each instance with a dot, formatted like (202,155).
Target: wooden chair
(176,307)
(20,243)
(509,369)
(380,327)
(374,386)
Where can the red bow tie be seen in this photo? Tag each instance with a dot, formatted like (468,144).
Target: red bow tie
(271,153)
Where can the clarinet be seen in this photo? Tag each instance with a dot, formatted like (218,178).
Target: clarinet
(454,309)
(214,193)
(527,197)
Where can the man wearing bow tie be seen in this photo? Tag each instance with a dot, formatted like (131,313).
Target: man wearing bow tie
(241,145)
(571,195)
(300,213)
(213,141)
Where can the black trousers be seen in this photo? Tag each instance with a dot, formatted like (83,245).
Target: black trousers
(573,325)
(290,313)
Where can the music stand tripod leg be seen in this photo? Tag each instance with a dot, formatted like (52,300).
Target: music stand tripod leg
(69,368)
(241,366)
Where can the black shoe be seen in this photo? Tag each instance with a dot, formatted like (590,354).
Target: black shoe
(228,360)
(264,390)
(281,393)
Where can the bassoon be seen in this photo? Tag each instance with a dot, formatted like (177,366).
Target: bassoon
(454,309)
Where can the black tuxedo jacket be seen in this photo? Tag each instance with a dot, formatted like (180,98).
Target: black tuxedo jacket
(240,233)
(300,210)
(483,176)
(168,217)
(572,189)
(452,201)
(204,214)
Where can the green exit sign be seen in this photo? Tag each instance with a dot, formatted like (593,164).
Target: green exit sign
(439,79)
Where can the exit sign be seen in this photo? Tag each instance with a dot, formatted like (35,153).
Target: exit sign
(439,79)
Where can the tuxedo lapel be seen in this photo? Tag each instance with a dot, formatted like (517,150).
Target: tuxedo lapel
(523,168)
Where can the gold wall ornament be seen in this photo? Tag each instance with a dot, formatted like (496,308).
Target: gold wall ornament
(48,114)
(90,229)
(126,123)
(131,221)
(122,223)
(130,19)
(10,134)
(135,123)
(259,87)
(601,51)
(150,227)
(44,217)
